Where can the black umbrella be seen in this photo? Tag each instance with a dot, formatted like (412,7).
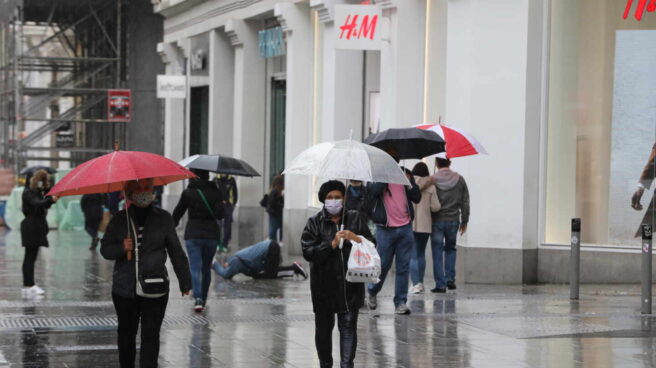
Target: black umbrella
(410,143)
(220,164)
(32,169)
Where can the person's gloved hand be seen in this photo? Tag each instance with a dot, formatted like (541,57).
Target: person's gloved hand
(635,200)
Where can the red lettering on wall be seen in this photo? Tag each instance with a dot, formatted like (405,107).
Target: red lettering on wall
(367,27)
(640,8)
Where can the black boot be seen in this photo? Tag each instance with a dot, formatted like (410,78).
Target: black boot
(94,244)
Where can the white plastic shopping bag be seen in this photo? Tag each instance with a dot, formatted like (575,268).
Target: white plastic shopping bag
(363,263)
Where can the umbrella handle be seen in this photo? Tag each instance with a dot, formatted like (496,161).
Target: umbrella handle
(341,241)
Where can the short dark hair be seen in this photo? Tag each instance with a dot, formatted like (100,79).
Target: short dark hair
(442,162)
(420,169)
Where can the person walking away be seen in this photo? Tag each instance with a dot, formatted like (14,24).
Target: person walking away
(228,188)
(392,212)
(644,183)
(421,225)
(34,228)
(92,207)
(331,293)
(453,217)
(275,205)
(356,197)
(259,261)
(140,286)
(203,201)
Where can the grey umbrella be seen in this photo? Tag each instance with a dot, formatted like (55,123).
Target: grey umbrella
(220,164)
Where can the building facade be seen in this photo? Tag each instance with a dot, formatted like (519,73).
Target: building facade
(558,91)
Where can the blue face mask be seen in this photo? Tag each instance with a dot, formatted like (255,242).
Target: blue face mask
(355,191)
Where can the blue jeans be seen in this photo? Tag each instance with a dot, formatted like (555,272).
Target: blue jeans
(248,261)
(275,225)
(394,241)
(418,261)
(201,255)
(443,243)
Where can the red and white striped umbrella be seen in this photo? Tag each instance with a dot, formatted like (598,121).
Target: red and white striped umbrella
(458,143)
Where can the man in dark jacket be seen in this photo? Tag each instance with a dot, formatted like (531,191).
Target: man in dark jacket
(92,207)
(228,188)
(202,235)
(331,293)
(356,197)
(644,183)
(152,234)
(393,212)
(453,216)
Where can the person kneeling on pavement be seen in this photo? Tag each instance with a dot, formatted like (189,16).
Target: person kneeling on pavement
(331,293)
(259,261)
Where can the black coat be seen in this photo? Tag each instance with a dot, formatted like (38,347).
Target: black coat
(159,239)
(34,228)
(330,290)
(275,203)
(92,205)
(228,187)
(201,224)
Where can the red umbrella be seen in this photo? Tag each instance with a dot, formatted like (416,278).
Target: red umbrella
(110,172)
(458,142)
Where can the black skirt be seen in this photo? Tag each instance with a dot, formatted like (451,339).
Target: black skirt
(34,231)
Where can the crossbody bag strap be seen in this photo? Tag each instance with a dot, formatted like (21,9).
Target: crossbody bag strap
(207,204)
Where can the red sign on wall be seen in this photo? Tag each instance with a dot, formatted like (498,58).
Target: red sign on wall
(640,8)
(118,105)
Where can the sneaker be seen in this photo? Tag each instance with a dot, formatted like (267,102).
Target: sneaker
(373,303)
(438,290)
(32,290)
(299,270)
(417,289)
(451,285)
(402,309)
(199,305)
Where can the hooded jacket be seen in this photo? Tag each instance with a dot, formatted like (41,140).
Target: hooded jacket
(453,195)
(201,224)
(330,290)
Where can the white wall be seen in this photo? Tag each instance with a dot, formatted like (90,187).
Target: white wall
(486,94)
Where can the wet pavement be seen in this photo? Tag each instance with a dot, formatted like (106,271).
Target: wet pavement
(269,323)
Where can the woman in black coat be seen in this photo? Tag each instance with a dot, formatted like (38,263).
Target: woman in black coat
(331,293)
(202,199)
(142,297)
(34,228)
(274,207)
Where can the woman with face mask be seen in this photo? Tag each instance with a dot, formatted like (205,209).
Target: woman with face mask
(140,282)
(34,228)
(331,293)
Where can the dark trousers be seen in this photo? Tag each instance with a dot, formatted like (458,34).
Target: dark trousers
(347,324)
(151,313)
(227,224)
(91,224)
(28,265)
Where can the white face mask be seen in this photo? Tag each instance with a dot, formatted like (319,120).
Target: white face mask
(39,184)
(333,206)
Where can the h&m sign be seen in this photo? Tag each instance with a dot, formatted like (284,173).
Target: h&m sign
(358,27)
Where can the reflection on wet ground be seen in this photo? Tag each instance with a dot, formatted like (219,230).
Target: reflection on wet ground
(269,323)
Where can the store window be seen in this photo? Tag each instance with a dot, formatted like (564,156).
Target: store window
(601,126)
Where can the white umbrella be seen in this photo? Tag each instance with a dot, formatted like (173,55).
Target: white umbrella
(347,159)
(350,160)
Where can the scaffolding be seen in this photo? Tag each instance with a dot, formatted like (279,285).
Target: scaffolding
(58,59)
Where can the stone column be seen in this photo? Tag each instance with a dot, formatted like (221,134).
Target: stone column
(341,80)
(402,64)
(249,123)
(174,118)
(221,75)
(295,19)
